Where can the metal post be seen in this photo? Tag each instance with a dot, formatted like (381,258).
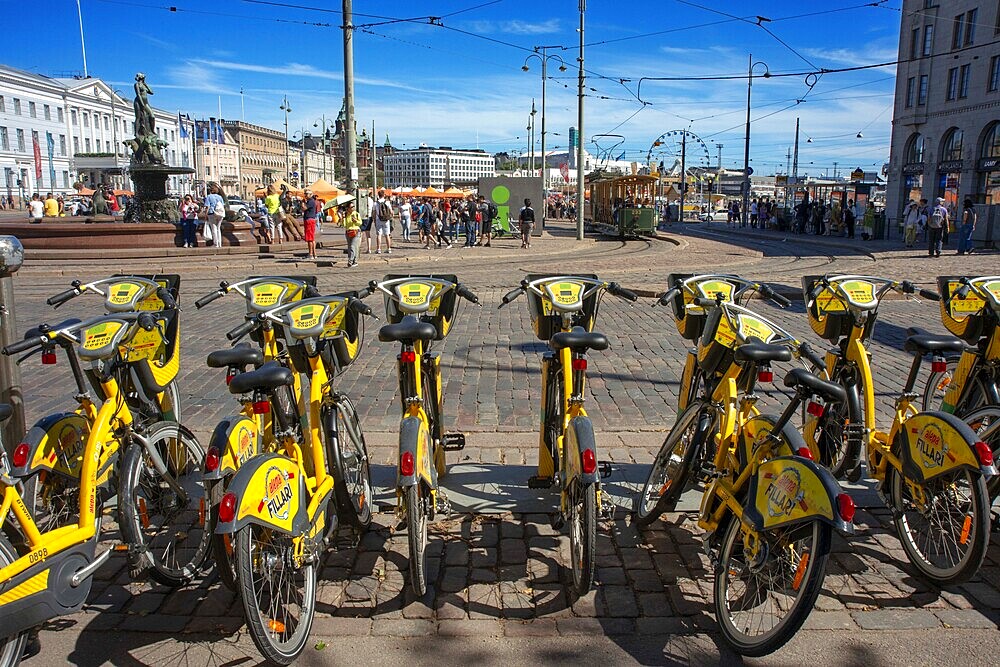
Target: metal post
(795,157)
(680,214)
(545,171)
(580,186)
(11,258)
(374,160)
(83,44)
(288,162)
(746,150)
(351,152)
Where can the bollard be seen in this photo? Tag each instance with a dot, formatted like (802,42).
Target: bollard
(11,258)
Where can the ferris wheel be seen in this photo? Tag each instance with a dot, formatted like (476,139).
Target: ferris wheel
(672,149)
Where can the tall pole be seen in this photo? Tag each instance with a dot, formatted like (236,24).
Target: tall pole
(545,171)
(83,44)
(795,155)
(718,162)
(746,150)
(580,186)
(374,160)
(243,111)
(680,214)
(286,107)
(351,152)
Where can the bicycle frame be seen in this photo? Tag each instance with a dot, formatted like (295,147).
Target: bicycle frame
(983,361)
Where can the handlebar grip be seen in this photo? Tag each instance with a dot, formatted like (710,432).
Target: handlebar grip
(147,320)
(242,330)
(906,287)
(705,302)
(511,295)
(169,303)
(779,299)
(62,297)
(309,292)
(622,293)
(805,350)
(668,296)
(208,298)
(930,294)
(814,292)
(466,294)
(962,292)
(24,345)
(359,306)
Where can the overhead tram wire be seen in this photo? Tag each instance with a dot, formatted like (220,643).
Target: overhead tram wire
(173,9)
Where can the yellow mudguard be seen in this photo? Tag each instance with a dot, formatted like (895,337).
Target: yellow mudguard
(789,490)
(934,443)
(237,440)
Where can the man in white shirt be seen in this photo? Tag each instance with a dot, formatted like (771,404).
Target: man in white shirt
(404,218)
(36,208)
(382,214)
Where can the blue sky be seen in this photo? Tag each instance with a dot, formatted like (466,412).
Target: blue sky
(452,85)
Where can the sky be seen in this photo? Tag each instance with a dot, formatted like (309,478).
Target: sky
(457,80)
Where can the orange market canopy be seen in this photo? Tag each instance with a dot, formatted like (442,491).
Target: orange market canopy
(453,193)
(278,184)
(324,190)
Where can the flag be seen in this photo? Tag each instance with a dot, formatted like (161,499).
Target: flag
(52,170)
(621,157)
(213,131)
(204,130)
(38,155)
(221,137)
(182,125)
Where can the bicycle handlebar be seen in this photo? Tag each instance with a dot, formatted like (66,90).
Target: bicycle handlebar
(806,350)
(242,330)
(768,293)
(24,345)
(169,303)
(61,298)
(930,294)
(360,307)
(510,296)
(668,296)
(208,298)
(622,293)
(466,293)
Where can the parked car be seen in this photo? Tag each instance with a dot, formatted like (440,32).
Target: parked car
(718,215)
(239,208)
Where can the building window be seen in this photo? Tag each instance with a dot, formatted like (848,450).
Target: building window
(17,107)
(107,123)
(4,139)
(65,176)
(959,30)
(72,116)
(59,115)
(922,91)
(914,149)
(964,73)
(86,120)
(86,145)
(3,105)
(951,147)
(952,91)
(32,111)
(62,144)
(20,140)
(47,112)
(991,141)
(970,26)
(76,145)
(994,83)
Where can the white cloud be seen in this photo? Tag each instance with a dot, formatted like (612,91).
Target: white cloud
(515,27)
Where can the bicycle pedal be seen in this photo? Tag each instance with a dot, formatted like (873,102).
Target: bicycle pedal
(442,504)
(536,482)
(605,468)
(454,442)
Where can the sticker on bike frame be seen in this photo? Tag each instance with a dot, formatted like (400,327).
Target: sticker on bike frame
(962,308)
(993,289)
(145,345)
(565,295)
(245,448)
(278,494)
(828,302)
(334,325)
(789,491)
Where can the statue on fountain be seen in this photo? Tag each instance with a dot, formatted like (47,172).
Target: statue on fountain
(146,146)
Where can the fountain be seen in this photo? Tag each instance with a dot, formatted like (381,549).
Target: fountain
(148,168)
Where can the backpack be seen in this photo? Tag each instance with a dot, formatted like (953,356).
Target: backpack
(936,220)
(384,211)
(493,210)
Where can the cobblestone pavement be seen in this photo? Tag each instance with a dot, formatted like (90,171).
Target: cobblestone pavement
(504,574)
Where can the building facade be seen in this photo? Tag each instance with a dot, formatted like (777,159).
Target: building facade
(217,160)
(438,167)
(946,119)
(263,155)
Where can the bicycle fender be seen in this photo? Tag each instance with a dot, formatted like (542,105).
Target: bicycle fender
(579,437)
(269,492)
(790,489)
(413,431)
(55,434)
(934,443)
(237,440)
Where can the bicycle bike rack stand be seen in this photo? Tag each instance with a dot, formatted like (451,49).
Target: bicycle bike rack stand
(11,258)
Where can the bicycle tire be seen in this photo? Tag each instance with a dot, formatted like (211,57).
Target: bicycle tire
(264,566)
(583,538)
(938,383)
(53,503)
(143,496)
(11,648)
(350,466)
(668,482)
(985,423)
(809,582)
(416,537)
(977,525)
(836,450)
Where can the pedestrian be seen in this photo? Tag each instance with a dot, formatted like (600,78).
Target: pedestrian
(189,222)
(802,215)
(310,213)
(868,222)
(465,217)
(216,206)
(910,215)
(367,204)
(382,214)
(36,209)
(526,219)
(488,211)
(818,214)
(272,205)
(351,220)
(113,206)
(425,220)
(754,212)
(836,221)
(968,226)
(936,223)
(405,208)
(265,223)
(849,218)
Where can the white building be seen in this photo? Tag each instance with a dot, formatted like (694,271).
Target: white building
(438,167)
(87,121)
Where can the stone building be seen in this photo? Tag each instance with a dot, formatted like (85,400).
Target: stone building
(263,155)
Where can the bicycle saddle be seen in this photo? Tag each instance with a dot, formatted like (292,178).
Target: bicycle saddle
(927,343)
(242,355)
(269,376)
(579,340)
(800,377)
(761,352)
(407,331)
(5,411)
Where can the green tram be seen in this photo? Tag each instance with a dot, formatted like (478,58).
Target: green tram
(626,204)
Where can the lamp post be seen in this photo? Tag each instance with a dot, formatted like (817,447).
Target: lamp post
(580,185)
(316,124)
(543,57)
(746,146)
(531,137)
(287,108)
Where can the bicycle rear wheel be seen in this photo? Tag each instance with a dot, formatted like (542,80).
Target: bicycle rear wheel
(168,532)
(349,466)
(11,648)
(416,537)
(943,524)
(939,383)
(583,537)
(762,598)
(985,423)
(670,470)
(278,593)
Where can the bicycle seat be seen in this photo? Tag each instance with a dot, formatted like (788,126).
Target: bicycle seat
(36,332)
(928,343)
(407,331)
(5,411)
(269,376)
(760,352)
(579,340)
(800,377)
(242,355)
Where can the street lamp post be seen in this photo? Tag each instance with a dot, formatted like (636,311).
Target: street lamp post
(746,146)
(324,144)
(580,185)
(287,108)
(543,57)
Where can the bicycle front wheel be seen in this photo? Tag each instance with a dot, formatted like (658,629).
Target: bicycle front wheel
(278,592)
(670,470)
(943,524)
(351,475)
(416,537)
(985,423)
(583,538)
(764,592)
(162,515)
(938,384)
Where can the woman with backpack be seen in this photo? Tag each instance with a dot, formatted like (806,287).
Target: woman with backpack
(216,207)
(968,226)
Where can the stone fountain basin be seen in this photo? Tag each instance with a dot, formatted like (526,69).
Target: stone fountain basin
(94,232)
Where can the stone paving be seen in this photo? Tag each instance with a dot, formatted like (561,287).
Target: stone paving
(504,574)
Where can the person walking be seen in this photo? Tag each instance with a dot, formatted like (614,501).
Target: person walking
(405,208)
(189,222)
(818,215)
(216,206)
(910,215)
(309,216)
(382,214)
(351,220)
(488,211)
(526,219)
(968,226)
(936,222)
(802,215)
(272,204)
(754,212)
(868,222)
(465,220)
(850,218)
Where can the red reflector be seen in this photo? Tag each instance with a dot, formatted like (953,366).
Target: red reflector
(406,464)
(984,453)
(765,376)
(227,508)
(261,407)
(230,374)
(815,409)
(212,459)
(579,364)
(939,366)
(845,507)
(805,453)
(408,356)
(48,358)
(20,456)
(589,460)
